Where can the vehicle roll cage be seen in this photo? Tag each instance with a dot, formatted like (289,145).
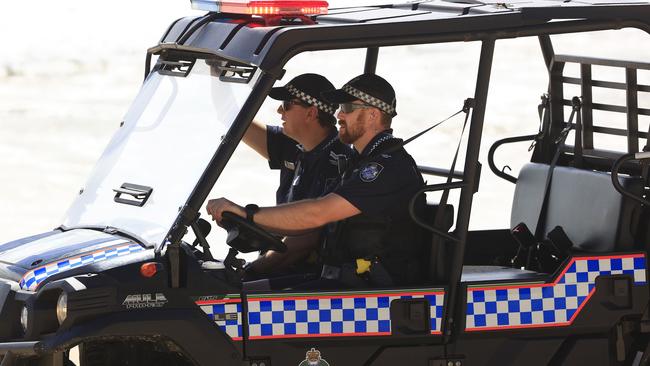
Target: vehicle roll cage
(288,42)
(583,148)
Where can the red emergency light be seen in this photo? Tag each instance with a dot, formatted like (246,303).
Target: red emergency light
(265,7)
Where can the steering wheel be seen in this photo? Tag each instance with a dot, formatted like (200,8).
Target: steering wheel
(247,237)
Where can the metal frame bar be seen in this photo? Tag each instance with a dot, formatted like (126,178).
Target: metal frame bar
(632,110)
(611,108)
(587,102)
(616,131)
(547,49)
(605,84)
(631,87)
(341,38)
(602,62)
(543,150)
(439,172)
(372,55)
(472,176)
(556,92)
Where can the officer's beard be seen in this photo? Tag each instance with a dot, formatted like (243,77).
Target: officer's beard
(351,133)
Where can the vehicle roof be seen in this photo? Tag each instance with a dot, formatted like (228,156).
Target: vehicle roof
(269,47)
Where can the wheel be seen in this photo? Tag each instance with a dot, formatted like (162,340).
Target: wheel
(130,353)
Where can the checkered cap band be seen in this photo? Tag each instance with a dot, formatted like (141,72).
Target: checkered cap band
(325,107)
(33,278)
(552,304)
(369,99)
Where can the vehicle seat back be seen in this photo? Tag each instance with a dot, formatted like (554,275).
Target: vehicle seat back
(583,202)
(434,258)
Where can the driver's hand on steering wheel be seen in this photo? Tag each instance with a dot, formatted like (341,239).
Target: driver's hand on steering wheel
(216,207)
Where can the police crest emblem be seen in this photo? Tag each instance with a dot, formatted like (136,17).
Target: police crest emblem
(313,358)
(370,172)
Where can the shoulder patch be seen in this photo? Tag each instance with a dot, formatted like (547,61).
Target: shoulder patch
(370,172)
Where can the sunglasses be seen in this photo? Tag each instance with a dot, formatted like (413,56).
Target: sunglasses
(351,107)
(286,104)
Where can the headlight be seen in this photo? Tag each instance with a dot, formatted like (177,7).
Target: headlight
(62,307)
(24,318)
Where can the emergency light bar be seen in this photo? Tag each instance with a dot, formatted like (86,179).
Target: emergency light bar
(266,7)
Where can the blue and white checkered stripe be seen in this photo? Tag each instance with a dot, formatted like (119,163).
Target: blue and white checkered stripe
(227,315)
(553,304)
(33,278)
(344,315)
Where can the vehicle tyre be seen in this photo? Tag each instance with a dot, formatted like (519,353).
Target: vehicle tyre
(33,361)
(130,353)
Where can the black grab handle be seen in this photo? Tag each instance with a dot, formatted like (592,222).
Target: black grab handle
(617,166)
(501,173)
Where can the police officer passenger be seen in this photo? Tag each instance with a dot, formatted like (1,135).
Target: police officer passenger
(301,149)
(373,241)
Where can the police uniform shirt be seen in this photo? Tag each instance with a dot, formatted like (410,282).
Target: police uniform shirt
(304,174)
(383,183)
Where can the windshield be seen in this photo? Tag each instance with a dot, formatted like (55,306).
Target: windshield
(169,135)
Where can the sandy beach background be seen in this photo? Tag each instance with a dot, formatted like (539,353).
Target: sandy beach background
(69,70)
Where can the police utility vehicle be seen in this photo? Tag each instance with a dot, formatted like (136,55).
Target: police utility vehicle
(566,284)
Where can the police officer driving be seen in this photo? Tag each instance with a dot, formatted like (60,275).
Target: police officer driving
(371,239)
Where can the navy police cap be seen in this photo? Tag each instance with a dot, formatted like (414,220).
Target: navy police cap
(308,88)
(369,88)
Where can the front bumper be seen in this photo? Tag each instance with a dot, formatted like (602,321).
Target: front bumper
(12,352)
(200,339)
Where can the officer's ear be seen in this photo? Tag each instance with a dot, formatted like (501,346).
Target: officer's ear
(374,115)
(312,112)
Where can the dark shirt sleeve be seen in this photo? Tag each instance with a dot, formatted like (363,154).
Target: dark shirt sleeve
(280,147)
(378,186)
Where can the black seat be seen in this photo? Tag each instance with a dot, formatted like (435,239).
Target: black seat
(583,202)
(434,258)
